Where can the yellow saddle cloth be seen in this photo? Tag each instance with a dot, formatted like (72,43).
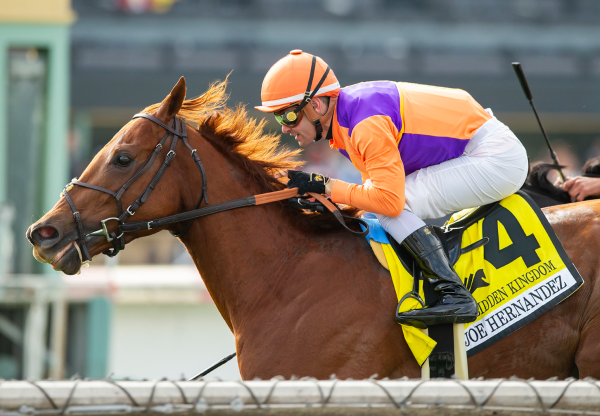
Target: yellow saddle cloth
(510,260)
(419,343)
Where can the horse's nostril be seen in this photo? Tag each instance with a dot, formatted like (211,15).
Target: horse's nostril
(47,232)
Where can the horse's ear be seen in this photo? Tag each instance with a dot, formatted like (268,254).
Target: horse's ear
(172,103)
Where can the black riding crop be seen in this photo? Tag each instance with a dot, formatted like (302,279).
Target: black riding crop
(527,91)
(213,367)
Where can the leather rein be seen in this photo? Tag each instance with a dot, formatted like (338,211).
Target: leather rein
(177,129)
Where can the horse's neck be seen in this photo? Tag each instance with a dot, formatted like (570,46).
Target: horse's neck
(241,254)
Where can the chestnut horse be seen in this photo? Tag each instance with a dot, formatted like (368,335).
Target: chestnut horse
(301,295)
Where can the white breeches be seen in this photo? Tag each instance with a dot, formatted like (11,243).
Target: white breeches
(493,166)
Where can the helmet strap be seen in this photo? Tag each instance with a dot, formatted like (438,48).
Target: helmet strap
(310,112)
(317,120)
(308,95)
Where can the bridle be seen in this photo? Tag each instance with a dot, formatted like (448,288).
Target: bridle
(177,129)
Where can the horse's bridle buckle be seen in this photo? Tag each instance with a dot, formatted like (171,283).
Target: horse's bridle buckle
(104,230)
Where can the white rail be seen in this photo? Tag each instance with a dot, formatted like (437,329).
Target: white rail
(103,397)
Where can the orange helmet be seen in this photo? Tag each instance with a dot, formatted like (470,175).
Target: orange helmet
(287,81)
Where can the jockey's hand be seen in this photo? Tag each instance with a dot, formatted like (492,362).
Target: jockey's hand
(581,187)
(307,182)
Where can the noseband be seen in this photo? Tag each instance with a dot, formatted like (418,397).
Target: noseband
(177,129)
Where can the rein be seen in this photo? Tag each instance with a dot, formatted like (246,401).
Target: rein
(255,200)
(177,129)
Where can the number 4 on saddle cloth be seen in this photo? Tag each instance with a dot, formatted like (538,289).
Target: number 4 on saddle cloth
(508,257)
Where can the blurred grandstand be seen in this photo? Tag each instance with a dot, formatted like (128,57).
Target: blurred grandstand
(127,54)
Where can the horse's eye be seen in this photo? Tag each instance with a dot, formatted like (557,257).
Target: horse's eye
(123,160)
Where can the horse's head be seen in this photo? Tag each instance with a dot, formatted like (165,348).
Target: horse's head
(55,236)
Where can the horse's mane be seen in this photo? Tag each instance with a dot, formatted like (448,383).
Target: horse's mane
(591,167)
(242,139)
(537,180)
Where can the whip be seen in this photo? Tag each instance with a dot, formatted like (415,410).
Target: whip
(527,91)
(213,367)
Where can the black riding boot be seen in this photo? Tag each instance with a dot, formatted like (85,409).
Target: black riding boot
(455,304)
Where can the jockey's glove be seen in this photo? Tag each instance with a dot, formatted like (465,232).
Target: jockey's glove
(307,182)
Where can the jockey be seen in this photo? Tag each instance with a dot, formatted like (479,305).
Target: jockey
(423,152)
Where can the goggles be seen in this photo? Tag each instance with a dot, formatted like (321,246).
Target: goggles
(290,117)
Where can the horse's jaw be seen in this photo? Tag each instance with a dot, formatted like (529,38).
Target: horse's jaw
(66,260)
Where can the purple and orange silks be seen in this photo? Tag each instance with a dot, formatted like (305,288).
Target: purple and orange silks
(389,130)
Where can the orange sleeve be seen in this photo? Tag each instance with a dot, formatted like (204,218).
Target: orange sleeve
(375,140)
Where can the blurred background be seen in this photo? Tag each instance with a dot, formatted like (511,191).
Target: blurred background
(72,72)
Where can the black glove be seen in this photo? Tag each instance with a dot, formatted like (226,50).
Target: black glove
(307,182)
